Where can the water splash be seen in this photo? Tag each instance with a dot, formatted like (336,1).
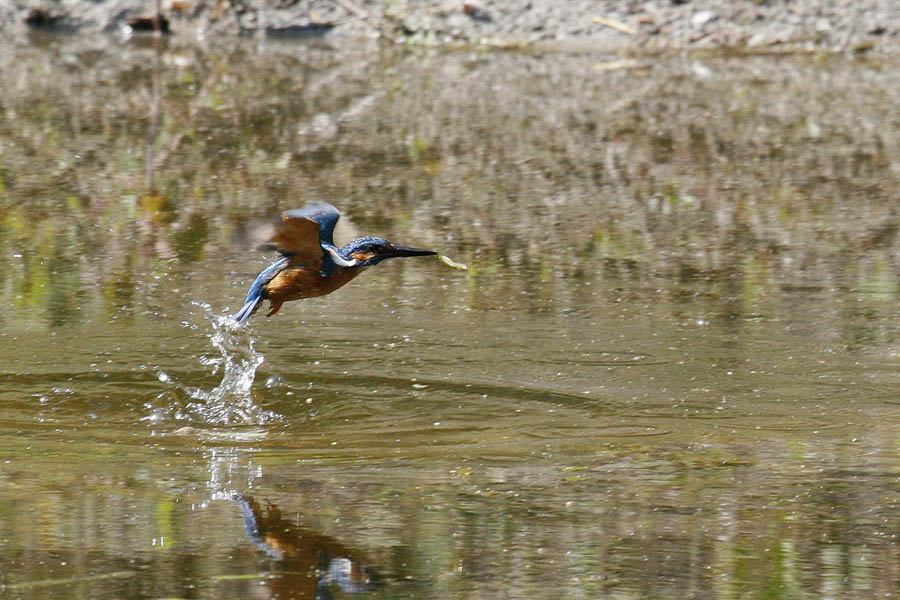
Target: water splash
(236,357)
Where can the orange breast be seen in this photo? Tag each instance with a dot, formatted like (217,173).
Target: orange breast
(296,282)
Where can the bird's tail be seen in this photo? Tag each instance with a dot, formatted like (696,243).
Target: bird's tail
(255,294)
(250,305)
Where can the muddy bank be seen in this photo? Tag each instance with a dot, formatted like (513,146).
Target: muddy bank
(756,25)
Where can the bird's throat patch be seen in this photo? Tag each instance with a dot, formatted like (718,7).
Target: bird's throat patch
(361,256)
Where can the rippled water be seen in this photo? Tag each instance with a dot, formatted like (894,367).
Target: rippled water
(670,371)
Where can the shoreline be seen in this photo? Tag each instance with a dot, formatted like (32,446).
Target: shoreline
(750,26)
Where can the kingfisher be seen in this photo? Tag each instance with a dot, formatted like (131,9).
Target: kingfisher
(310,264)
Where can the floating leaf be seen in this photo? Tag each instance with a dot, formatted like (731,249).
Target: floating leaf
(452,263)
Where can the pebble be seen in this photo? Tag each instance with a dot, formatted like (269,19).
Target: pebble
(702,18)
(840,24)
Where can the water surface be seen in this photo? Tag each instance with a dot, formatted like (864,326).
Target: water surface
(670,371)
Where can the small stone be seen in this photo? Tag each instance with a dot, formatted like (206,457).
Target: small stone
(701,70)
(757,39)
(822,25)
(703,17)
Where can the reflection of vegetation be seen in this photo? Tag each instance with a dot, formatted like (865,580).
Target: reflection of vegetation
(745,177)
(119,288)
(689,521)
(191,240)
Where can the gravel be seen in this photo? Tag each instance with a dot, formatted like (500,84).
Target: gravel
(755,25)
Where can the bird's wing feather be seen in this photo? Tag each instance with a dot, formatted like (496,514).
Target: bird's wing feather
(300,234)
(322,213)
(255,294)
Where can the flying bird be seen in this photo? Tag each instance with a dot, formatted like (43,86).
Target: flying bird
(310,264)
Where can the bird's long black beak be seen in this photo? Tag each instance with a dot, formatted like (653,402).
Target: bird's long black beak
(398,251)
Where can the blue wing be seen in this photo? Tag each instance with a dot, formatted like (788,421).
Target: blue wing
(255,295)
(323,214)
(303,234)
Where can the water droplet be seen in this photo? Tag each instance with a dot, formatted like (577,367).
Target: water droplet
(157,416)
(274,381)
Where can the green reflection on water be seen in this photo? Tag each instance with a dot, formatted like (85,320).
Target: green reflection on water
(669,372)
(584,179)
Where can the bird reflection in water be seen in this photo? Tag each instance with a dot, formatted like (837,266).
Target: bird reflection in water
(311,564)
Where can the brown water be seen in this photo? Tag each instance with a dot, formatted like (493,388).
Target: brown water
(671,370)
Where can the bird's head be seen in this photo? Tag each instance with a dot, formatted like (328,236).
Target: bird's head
(368,251)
